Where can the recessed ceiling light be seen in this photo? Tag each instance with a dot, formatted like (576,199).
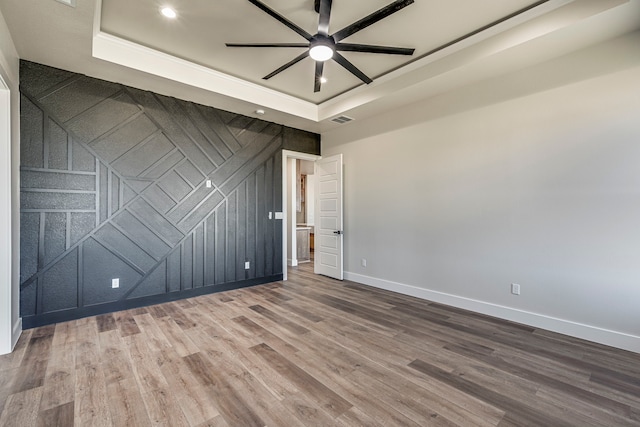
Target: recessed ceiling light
(168,12)
(260,112)
(323,80)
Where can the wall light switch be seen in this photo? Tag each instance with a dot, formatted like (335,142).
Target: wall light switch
(279,215)
(270,215)
(115,283)
(247,265)
(364,262)
(208,183)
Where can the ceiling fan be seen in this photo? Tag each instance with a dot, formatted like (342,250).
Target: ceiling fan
(323,46)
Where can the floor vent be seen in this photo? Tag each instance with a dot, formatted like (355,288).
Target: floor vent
(341,119)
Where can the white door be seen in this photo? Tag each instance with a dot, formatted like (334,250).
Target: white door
(328,228)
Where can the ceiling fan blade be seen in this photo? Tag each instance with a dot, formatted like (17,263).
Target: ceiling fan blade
(287,65)
(318,82)
(371,19)
(367,48)
(325,14)
(281,18)
(306,45)
(351,68)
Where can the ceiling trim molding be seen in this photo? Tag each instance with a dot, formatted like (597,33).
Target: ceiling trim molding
(533,23)
(536,22)
(120,51)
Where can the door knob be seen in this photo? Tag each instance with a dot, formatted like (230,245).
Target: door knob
(337,232)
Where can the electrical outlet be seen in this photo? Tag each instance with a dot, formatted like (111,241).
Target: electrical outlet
(115,283)
(364,262)
(208,183)
(247,265)
(515,289)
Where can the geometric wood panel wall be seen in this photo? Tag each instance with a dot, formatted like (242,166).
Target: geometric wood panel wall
(113,185)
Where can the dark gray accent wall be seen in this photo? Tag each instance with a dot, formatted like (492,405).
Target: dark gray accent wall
(113,185)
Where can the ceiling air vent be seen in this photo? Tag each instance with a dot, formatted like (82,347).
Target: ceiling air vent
(341,119)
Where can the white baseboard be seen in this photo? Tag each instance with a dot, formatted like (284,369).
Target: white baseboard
(16,332)
(292,262)
(578,330)
(8,342)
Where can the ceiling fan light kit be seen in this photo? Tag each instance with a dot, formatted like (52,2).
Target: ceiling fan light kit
(324,46)
(321,49)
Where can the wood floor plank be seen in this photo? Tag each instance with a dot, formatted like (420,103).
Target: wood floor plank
(163,409)
(312,351)
(550,382)
(14,359)
(240,351)
(90,404)
(190,395)
(231,405)
(280,320)
(106,322)
(403,403)
(60,379)
(146,371)
(113,357)
(21,409)
(175,334)
(126,323)
(356,417)
(583,412)
(333,403)
(307,411)
(126,405)
(58,416)
(87,349)
(218,421)
(516,409)
(254,393)
(64,334)
(153,335)
(264,335)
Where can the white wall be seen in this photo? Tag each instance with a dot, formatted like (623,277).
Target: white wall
(10,325)
(497,183)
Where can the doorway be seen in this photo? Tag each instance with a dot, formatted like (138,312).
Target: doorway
(296,206)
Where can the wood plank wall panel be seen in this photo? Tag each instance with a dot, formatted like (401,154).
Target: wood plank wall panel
(113,185)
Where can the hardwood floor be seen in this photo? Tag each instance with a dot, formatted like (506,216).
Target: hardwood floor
(312,352)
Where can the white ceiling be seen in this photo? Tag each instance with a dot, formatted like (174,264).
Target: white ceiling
(200,32)
(130,42)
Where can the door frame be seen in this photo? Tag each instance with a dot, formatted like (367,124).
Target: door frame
(286,181)
(6,297)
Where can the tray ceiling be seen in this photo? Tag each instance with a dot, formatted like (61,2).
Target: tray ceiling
(202,27)
(130,42)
